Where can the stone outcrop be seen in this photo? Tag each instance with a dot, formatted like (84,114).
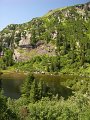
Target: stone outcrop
(25,41)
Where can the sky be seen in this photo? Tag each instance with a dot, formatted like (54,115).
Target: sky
(21,11)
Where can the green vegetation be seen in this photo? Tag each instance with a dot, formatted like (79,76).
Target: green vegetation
(5,112)
(39,102)
(68,30)
(7,59)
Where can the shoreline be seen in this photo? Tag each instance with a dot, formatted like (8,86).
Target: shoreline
(44,73)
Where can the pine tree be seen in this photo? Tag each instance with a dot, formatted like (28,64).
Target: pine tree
(33,37)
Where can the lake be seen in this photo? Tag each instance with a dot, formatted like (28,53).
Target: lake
(11,83)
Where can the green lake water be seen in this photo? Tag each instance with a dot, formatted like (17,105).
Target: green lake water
(11,83)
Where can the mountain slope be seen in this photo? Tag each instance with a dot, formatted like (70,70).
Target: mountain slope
(62,35)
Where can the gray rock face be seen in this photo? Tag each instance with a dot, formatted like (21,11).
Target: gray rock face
(25,41)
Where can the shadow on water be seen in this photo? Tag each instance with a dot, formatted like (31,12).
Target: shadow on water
(11,88)
(52,84)
(59,90)
(11,83)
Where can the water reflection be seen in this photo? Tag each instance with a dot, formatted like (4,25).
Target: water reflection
(11,83)
(52,83)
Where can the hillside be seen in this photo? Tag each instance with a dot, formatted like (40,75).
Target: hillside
(33,57)
(57,41)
